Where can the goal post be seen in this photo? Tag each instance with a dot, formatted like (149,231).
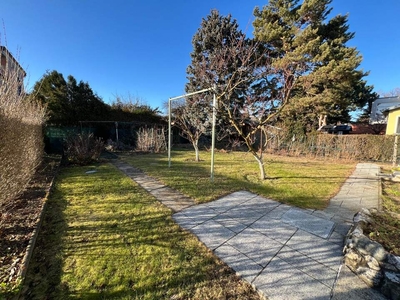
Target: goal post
(213,125)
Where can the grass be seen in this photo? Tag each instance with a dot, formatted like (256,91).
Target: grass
(385,228)
(391,196)
(104,237)
(305,183)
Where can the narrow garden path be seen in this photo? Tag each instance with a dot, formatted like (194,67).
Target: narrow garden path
(284,252)
(167,196)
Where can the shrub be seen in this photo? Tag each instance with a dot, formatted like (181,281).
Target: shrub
(21,137)
(151,140)
(83,149)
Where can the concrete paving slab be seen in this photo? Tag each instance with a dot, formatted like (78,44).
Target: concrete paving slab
(230,223)
(238,197)
(278,211)
(172,199)
(245,217)
(310,223)
(323,214)
(351,208)
(260,204)
(149,185)
(201,212)
(212,234)
(226,203)
(256,246)
(274,229)
(184,221)
(342,228)
(244,266)
(337,238)
(336,201)
(194,216)
(281,281)
(309,266)
(343,218)
(320,250)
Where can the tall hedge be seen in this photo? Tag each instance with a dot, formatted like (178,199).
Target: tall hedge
(363,147)
(21,138)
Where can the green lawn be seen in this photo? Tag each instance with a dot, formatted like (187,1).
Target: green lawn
(301,182)
(104,237)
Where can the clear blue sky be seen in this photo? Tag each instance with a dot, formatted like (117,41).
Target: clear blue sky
(143,47)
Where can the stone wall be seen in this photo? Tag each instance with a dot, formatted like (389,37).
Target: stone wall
(370,261)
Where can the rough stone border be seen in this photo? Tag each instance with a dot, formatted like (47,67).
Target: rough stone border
(369,260)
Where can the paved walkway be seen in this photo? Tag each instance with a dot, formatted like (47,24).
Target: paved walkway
(283,251)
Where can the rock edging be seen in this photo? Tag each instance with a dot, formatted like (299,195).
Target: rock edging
(369,260)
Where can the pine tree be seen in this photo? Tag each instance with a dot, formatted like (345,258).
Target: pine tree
(52,90)
(315,70)
(68,101)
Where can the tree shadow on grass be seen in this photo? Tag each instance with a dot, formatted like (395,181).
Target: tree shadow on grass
(157,258)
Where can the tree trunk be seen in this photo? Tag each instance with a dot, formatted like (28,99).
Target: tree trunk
(196,150)
(260,165)
(322,121)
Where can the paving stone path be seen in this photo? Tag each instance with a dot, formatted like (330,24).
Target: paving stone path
(284,252)
(167,196)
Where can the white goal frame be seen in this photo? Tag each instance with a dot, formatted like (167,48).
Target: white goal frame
(213,126)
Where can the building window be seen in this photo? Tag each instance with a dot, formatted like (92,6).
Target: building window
(398,126)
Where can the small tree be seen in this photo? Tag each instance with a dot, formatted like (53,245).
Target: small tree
(193,117)
(241,104)
(193,120)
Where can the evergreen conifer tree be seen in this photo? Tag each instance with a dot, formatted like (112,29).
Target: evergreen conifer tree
(317,73)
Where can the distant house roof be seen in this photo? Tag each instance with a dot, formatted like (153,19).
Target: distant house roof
(380,105)
(7,54)
(389,109)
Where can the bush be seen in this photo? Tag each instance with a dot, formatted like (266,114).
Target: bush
(21,136)
(151,140)
(83,149)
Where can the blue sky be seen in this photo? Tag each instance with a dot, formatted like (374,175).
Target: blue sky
(142,47)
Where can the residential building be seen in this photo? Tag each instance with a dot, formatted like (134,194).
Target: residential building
(11,69)
(393,120)
(379,106)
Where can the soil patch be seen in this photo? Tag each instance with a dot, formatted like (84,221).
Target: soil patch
(18,221)
(385,229)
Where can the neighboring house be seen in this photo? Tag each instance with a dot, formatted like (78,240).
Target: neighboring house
(379,106)
(10,67)
(393,119)
(362,128)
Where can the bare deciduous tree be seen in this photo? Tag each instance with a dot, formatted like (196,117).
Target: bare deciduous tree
(193,120)
(392,93)
(246,99)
